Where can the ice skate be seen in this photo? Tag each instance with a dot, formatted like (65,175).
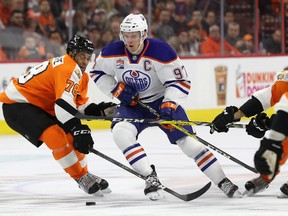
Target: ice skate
(153,187)
(283,191)
(230,189)
(89,184)
(104,185)
(255,185)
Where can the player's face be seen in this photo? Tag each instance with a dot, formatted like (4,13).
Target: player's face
(132,40)
(82,59)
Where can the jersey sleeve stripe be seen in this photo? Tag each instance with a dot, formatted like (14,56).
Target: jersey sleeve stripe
(185,84)
(179,88)
(182,85)
(13,94)
(96,75)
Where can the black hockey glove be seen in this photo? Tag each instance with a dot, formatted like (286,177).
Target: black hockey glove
(259,125)
(101,109)
(82,138)
(267,158)
(219,124)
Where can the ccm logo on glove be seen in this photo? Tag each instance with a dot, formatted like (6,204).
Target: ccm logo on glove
(82,138)
(79,132)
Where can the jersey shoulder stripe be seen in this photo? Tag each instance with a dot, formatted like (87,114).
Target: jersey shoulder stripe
(160,50)
(113,49)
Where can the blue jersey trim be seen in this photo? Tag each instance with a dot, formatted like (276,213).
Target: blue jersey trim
(157,50)
(179,88)
(160,50)
(113,49)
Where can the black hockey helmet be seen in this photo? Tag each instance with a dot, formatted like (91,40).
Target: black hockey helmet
(78,44)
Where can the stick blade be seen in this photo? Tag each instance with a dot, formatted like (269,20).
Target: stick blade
(198,193)
(190,196)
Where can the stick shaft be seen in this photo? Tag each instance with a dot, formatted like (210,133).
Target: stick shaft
(201,140)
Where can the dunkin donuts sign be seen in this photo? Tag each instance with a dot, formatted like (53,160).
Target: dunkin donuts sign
(249,82)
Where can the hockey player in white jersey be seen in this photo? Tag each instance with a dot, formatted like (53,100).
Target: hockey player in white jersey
(150,71)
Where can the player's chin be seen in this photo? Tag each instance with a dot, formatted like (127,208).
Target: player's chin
(131,49)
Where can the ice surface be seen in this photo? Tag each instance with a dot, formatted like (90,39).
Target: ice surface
(32,183)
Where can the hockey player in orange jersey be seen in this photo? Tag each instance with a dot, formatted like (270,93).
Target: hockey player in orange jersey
(29,108)
(258,125)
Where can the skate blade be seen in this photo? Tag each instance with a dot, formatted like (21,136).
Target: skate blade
(98,194)
(248,193)
(237,194)
(157,195)
(106,190)
(282,196)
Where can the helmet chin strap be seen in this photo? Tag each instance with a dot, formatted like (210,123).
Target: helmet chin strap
(138,48)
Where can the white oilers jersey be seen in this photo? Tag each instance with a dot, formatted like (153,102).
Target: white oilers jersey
(156,72)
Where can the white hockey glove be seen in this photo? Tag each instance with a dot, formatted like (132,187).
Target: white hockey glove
(267,158)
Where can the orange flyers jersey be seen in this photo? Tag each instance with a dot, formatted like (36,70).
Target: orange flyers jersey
(42,85)
(271,95)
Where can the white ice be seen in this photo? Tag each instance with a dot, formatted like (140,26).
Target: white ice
(33,184)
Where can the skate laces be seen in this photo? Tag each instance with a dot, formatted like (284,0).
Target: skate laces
(152,182)
(228,187)
(96,178)
(88,183)
(87,180)
(152,179)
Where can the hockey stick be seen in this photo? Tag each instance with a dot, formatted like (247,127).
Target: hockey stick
(200,123)
(188,133)
(79,115)
(184,197)
(66,106)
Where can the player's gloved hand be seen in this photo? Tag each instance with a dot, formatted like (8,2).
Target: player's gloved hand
(167,110)
(125,93)
(101,109)
(82,138)
(267,158)
(109,109)
(259,125)
(219,124)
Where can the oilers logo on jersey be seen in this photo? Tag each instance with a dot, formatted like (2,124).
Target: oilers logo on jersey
(138,80)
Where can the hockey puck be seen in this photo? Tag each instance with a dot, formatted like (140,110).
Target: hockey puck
(90,203)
